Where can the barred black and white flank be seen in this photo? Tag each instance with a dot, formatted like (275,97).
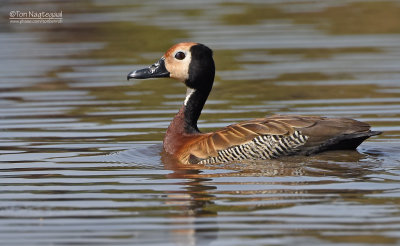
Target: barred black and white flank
(261,148)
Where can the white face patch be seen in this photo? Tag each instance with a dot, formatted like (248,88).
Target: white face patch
(178,69)
(189,93)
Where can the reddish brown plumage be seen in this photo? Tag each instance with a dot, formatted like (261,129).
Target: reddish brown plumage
(291,134)
(204,145)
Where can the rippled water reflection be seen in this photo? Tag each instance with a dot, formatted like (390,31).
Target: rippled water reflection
(80,147)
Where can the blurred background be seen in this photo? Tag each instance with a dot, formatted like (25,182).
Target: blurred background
(80,146)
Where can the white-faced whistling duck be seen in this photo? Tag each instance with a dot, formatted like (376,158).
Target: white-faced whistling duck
(258,139)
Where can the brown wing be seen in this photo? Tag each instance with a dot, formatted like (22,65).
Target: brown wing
(317,129)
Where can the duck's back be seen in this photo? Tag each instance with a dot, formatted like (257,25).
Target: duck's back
(276,136)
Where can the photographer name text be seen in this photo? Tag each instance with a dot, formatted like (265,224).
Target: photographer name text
(20,17)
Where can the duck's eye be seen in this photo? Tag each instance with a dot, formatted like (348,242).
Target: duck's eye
(180,55)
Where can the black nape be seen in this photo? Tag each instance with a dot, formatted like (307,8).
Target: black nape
(201,68)
(201,79)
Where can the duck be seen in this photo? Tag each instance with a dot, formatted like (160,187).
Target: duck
(257,139)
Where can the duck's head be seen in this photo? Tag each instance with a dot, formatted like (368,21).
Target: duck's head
(190,63)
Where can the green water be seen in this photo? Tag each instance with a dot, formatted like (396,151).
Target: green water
(80,146)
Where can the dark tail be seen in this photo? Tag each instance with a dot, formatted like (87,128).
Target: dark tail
(343,142)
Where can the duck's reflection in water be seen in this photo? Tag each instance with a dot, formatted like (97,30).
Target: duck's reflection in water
(198,224)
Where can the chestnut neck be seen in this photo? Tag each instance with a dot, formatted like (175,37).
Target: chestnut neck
(185,122)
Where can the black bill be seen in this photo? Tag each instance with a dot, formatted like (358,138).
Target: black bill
(157,70)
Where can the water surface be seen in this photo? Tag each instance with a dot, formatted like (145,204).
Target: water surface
(80,148)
